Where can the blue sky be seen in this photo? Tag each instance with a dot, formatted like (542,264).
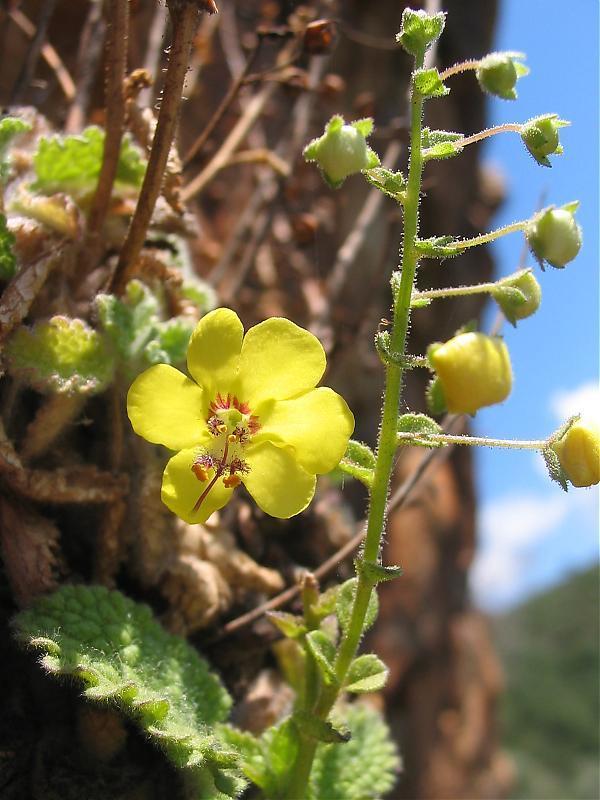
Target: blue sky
(531,533)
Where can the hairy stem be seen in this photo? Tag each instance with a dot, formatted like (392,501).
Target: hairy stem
(484,238)
(386,449)
(463,66)
(475,441)
(184,19)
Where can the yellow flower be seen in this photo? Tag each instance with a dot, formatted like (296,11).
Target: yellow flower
(250,415)
(579,452)
(474,371)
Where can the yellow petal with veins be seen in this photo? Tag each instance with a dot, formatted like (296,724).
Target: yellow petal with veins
(279,360)
(276,481)
(316,425)
(166,407)
(181,489)
(214,351)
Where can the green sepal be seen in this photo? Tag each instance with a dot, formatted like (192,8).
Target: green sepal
(72,164)
(375,572)
(392,184)
(345,601)
(123,657)
(290,625)
(437,247)
(9,128)
(498,73)
(420,425)
(571,207)
(61,355)
(363,126)
(427,83)
(470,326)
(419,30)
(434,396)
(8,262)
(367,673)
(319,729)
(342,150)
(555,471)
(323,651)
(540,137)
(440,144)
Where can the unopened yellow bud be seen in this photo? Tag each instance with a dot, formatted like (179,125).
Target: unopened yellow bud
(578,451)
(473,370)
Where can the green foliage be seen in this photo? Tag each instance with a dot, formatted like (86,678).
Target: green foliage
(9,128)
(316,728)
(429,84)
(549,713)
(519,295)
(438,247)
(419,30)
(420,425)
(367,673)
(72,164)
(323,651)
(345,601)
(8,262)
(375,572)
(359,462)
(120,655)
(365,767)
(393,184)
(291,625)
(136,332)
(61,355)
(440,144)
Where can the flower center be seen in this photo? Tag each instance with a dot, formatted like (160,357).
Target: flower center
(232,425)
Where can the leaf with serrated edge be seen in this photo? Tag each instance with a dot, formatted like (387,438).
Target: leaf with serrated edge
(323,651)
(121,655)
(345,599)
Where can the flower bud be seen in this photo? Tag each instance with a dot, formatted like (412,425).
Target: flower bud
(319,37)
(554,236)
(419,30)
(578,451)
(519,296)
(498,74)
(473,371)
(540,136)
(342,150)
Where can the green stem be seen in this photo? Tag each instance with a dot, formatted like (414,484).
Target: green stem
(386,449)
(476,441)
(454,291)
(488,237)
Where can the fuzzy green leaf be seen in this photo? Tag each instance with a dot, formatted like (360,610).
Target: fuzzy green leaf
(367,673)
(377,573)
(170,342)
(122,656)
(345,600)
(72,164)
(366,767)
(360,454)
(319,729)
(440,144)
(9,128)
(323,651)
(61,355)
(436,402)
(427,83)
(290,625)
(200,293)
(420,425)
(393,184)
(437,247)
(8,262)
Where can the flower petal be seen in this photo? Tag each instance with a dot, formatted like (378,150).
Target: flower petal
(279,360)
(317,425)
(166,407)
(214,350)
(276,481)
(181,489)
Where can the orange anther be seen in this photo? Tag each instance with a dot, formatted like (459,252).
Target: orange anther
(231,481)
(200,472)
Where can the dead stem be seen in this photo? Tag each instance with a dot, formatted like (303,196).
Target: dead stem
(184,19)
(88,54)
(55,414)
(116,65)
(33,53)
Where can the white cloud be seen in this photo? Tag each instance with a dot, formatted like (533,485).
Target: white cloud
(583,399)
(511,529)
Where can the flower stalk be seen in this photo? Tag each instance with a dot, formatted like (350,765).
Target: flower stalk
(386,447)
